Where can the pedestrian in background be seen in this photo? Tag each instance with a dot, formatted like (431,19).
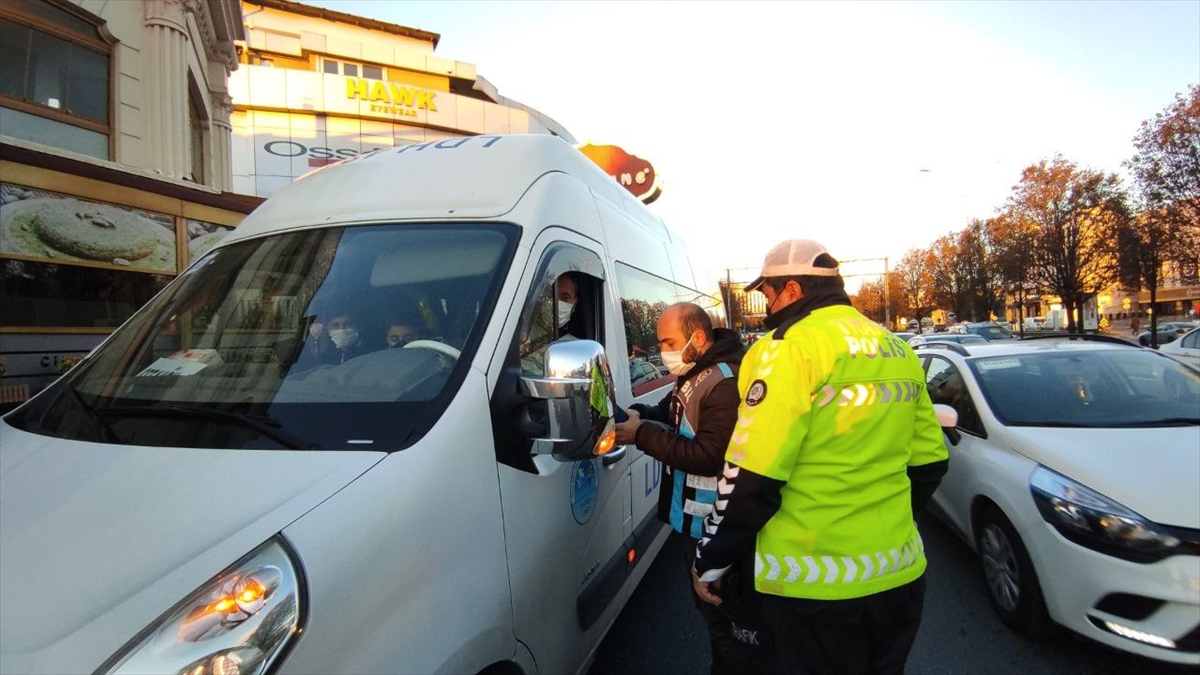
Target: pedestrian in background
(1135,323)
(696,419)
(812,548)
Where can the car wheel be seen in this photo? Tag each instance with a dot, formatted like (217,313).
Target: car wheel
(1011,581)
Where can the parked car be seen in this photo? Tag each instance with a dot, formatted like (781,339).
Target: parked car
(959,338)
(988,330)
(642,371)
(1073,474)
(1033,322)
(1186,349)
(905,336)
(1167,332)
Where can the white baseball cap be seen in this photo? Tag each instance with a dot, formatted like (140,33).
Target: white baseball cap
(794,257)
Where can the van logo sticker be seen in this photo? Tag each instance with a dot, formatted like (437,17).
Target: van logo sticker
(758,391)
(584,489)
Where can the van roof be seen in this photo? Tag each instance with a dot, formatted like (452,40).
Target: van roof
(456,179)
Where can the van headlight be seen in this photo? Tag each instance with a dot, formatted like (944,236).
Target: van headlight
(1094,521)
(236,624)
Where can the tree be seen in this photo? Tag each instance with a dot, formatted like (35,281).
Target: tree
(982,276)
(916,282)
(1166,173)
(1076,216)
(1009,237)
(869,300)
(951,274)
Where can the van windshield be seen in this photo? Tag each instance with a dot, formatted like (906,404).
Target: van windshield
(344,338)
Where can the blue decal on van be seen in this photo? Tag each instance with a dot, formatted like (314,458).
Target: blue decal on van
(651,474)
(584,489)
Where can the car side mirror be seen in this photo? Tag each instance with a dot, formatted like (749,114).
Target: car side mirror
(574,400)
(947,418)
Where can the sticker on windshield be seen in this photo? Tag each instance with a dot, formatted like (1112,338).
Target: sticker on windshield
(182,364)
(998,364)
(584,487)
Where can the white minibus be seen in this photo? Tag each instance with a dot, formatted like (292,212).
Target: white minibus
(370,432)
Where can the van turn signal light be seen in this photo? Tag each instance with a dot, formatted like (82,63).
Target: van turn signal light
(607,442)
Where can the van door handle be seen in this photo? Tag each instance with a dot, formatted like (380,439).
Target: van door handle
(613,456)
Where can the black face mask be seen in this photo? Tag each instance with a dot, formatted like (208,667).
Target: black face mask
(770,305)
(400,343)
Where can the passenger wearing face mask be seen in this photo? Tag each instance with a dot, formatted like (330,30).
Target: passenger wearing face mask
(347,340)
(696,421)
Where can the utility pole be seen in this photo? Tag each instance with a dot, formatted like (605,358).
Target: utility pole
(887,310)
(728,299)
(887,305)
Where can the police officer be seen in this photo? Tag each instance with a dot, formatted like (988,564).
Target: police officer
(811,546)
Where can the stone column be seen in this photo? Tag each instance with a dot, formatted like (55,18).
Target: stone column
(221,131)
(166,86)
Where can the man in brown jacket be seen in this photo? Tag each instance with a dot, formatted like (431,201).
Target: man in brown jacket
(689,435)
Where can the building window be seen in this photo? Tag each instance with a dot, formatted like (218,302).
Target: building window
(55,82)
(198,133)
(334,67)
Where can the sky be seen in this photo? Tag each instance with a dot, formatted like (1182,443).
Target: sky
(872,127)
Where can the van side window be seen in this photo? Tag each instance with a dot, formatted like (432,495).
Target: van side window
(565,304)
(644,297)
(946,385)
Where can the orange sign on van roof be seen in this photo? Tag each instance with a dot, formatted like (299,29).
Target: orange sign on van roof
(631,172)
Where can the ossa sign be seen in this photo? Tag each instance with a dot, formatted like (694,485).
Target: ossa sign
(317,156)
(389,97)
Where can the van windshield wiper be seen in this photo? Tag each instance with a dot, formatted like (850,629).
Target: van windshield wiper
(106,430)
(1167,422)
(263,425)
(1052,424)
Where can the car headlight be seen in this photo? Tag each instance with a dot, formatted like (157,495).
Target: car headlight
(236,624)
(1092,520)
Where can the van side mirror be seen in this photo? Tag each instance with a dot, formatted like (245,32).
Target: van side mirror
(574,401)
(947,418)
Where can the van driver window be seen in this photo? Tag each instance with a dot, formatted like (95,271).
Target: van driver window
(566,306)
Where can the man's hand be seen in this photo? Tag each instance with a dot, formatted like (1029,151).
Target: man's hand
(705,589)
(627,430)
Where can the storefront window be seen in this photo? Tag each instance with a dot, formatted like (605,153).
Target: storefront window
(41,295)
(54,73)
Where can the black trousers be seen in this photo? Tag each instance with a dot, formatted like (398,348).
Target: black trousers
(873,634)
(729,656)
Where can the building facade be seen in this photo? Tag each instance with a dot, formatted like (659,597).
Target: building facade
(115,166)
(317,85)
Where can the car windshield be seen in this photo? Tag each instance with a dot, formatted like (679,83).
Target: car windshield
(1108,388)
(992,332)
(337,338)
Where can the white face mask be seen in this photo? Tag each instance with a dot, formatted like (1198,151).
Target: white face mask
(564,313)
(343,337)
(674,361)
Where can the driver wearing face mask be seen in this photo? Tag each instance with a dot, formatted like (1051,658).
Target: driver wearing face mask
(696,421)
(566,296)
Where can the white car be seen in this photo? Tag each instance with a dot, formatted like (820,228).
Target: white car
(1186,349)
(1074,473)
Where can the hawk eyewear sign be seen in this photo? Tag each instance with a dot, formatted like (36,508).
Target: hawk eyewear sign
(389,97)
(631,172)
